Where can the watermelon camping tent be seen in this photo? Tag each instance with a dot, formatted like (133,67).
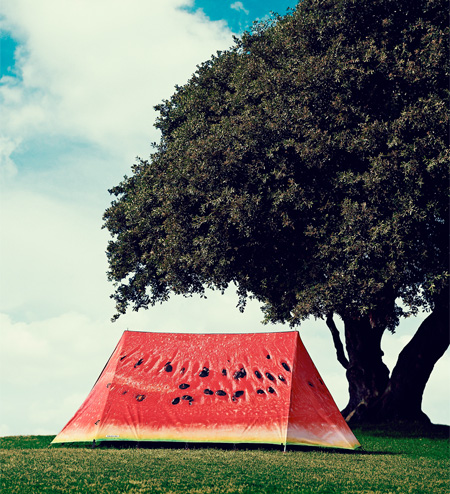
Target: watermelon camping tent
(236,388)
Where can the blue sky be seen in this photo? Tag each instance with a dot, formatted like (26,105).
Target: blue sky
(79,80)
(7,48)
(240,15)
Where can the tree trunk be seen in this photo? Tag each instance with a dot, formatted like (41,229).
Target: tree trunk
(402,399)
(367,375)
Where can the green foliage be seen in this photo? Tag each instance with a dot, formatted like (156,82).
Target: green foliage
(308,165)
(388,464)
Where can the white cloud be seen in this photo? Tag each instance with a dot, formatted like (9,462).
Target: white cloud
(239,6)
(71,126)
(8,169)
(95,69)
(51,256)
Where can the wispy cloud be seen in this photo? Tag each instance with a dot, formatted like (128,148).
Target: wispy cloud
(239,6)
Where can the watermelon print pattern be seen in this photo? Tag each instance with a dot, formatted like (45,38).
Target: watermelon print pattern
(238,388)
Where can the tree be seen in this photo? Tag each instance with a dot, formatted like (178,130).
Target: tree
(309,166)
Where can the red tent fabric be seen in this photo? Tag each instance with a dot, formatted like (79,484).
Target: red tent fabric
(238,388)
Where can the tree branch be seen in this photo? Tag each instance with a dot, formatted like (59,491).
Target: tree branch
(342,359)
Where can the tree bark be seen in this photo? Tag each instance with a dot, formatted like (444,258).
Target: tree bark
(402,398)
(367,375)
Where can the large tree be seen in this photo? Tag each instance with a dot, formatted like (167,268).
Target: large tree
(308,165)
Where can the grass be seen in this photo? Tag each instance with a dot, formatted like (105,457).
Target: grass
(393,461)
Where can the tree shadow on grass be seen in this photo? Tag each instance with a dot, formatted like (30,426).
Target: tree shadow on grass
(405,430)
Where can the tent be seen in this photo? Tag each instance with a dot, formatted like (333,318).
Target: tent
(226,388)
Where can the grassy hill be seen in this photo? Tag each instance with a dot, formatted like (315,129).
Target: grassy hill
(392,460)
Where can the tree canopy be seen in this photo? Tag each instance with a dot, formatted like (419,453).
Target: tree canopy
(308,165)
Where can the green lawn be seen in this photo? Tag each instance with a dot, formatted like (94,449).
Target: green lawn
(390,462)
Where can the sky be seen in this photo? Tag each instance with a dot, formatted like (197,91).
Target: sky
(79,80)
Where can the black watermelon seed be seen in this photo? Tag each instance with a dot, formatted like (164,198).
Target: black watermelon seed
(238,393)
(204,372)
(311,384)
(270,390)
(269,376)
(108,385)
(260,391)
(208,392)
(268,357)
(233,398)
(221,393)
(321,382)
(240,374)
(286,366)
(176,401)
(187,398)
(125,392)
(139,362)
(121,358)
(168,368)
(140,397)
(224,372)
(281,378)
(182,370)
(184,386)
(258,374)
